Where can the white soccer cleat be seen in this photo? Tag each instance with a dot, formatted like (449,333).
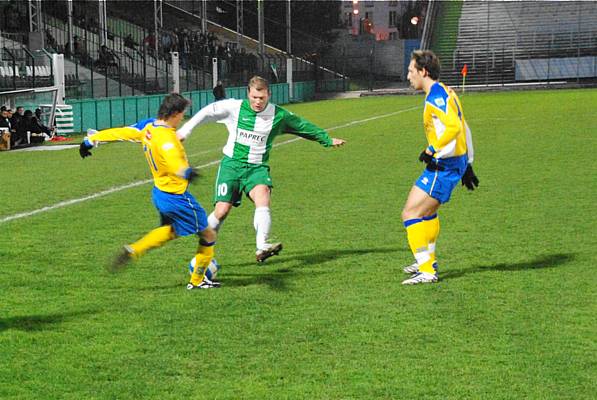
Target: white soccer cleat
(421,277)
(205,284)
(271,250)
(411,269)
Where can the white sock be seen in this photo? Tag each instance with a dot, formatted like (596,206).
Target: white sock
(262,223)
(422,257)
(214,223)
(431,247)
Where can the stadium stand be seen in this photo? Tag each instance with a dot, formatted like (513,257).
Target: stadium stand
(135,67)
(507,42)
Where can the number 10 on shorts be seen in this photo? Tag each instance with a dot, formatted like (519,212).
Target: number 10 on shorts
(222,189)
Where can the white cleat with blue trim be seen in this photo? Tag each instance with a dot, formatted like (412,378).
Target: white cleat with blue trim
(411,269)
(421,277)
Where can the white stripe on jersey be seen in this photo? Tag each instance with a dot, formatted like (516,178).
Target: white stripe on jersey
(449,149)
(231,122)
(264,122)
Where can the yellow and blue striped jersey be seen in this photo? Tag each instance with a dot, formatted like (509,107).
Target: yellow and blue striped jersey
(164,152)
(444,123)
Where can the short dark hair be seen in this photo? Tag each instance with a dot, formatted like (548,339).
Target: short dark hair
(428,61)
(172,104)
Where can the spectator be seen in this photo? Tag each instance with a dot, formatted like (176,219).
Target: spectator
(67,52)
(16,118)
(4,120)
(80,50)
(106,58)
(149,44)
(39,123)
(5,136)
(30,129)
(50,40)
(130,42)
(166,43)
(219,92)
(77,45)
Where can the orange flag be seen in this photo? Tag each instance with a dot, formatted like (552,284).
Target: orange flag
(464,70)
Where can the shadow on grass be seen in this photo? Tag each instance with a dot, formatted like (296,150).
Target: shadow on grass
(547,261)
(277,280)
(319,258)
(34,323)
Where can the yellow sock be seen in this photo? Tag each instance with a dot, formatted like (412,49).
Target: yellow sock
(417,235)
(205,253)
(431,224)
(155,238)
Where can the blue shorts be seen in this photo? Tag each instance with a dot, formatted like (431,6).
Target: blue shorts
(440,184)
(182,211)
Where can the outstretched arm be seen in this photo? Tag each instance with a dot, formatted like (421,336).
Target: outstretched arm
(305,129)
(128,133)
(210,113)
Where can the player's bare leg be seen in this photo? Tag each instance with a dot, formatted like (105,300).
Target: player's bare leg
(219,214)
(261,196)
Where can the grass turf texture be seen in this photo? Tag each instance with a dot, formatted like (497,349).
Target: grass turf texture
(513,315)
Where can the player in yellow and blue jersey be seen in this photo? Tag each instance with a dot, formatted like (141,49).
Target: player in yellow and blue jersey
(448,159)
(180,213)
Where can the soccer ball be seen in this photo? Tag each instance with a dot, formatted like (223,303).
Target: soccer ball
(212,269)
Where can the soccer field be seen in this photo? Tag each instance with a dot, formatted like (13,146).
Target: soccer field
(512,317)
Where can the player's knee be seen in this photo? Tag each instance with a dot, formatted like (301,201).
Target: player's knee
(222,209)
(261,195)
(406,214)
(410,213)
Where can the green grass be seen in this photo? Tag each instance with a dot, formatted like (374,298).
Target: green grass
(512,317)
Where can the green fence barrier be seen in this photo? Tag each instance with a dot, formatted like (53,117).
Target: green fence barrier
(303,91)
(119,111)
(332,85)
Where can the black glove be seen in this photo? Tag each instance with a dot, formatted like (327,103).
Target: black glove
(469,179)
(426,158)
(192,174)
(84,148)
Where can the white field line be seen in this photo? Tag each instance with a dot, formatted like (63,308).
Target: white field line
(116,189)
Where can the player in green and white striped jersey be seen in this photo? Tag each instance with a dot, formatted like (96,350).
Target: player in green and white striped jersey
(252,126)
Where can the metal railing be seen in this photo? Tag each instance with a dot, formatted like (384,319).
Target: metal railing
(520,42)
